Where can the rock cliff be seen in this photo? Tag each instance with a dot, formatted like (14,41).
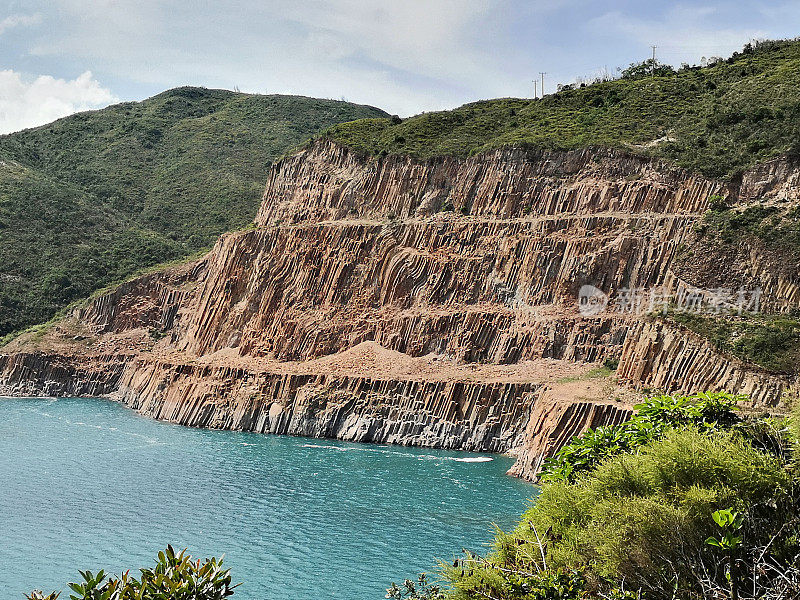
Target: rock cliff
(419,302)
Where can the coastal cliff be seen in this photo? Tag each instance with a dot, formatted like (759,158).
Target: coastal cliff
(420,302)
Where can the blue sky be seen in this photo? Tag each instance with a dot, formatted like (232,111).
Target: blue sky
(406,56)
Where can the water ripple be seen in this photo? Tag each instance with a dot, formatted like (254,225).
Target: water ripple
(89,484)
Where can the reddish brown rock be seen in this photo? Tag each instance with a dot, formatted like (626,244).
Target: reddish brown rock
(359,308)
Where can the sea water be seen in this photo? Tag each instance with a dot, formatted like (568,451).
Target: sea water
(89,484)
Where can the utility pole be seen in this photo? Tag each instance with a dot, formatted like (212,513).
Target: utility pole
(542,73)
(653,68)
(535,95)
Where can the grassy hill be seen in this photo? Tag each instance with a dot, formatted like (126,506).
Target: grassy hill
(715,120)
(96,196)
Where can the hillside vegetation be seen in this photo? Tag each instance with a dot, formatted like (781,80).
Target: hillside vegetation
(716,120)
(771,342)
(96,196)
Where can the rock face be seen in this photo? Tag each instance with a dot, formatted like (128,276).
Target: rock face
(150,301)
(656,356)
(58,375)
(350,249)
(553,424)
(440,414)
(418,302)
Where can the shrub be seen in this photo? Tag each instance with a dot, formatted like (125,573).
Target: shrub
(776,229)
(647,68)
(717,203)
(794,420)
(708,508)
(421,589)
(611,363)
(175,577)
(706,411)
(640,518)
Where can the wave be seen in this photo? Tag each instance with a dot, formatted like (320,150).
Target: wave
(467,459)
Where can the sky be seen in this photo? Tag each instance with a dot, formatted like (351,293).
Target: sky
(58,57)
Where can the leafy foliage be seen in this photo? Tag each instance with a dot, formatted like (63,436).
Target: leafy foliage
(175,577)
(655,416)
(647,68)
(730,522)
(716,120)
(422,589)
(92,198)
(769,341)
(643,519)
(542,585)
(776,228)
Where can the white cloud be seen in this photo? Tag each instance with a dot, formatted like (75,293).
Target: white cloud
(414,35)
(19,21)
(682,34)
(402,56)
(26,104)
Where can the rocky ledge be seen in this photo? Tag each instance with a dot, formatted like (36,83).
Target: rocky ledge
(427,303)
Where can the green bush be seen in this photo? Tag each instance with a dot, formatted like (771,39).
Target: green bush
(794,421)
(647,68)
(641,518)
(695,503)
(777,229)
(175,577)
(422,589)
(657,414)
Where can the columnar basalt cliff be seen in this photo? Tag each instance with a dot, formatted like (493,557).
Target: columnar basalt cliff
(53,374)
(444,414)
(553,424)
(658,356)
(150,301)
(419,302)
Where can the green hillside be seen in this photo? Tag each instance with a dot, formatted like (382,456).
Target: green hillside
(716,120)
(96,196)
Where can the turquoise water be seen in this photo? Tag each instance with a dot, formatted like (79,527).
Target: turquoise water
(88,484)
